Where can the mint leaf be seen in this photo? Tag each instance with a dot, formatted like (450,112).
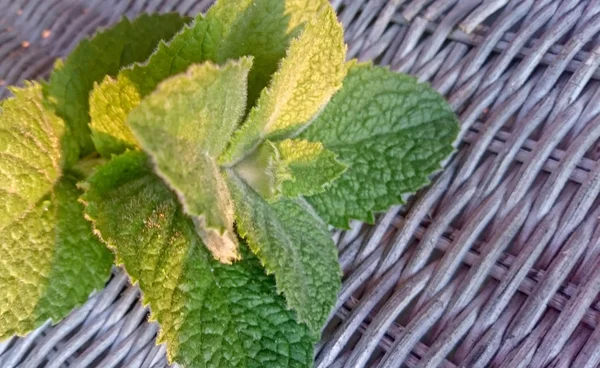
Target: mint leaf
(211,314)
(231,29)
(293,244)
(34,146)
(391,131)
(308,76)
(50,262)
(185,125)
(290,168)
(104,54)
(263,29)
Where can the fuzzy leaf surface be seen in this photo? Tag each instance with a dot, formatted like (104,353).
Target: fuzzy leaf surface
(308,76)
(290,168)
(263,29)
(185,125)
(300,167)
(33,148)
(211,314)
(230,30)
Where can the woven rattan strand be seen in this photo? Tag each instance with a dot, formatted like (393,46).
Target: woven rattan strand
(497,263)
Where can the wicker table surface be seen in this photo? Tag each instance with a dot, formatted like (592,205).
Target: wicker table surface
(497,263)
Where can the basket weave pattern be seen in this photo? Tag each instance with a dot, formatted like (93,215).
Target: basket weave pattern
(497,263)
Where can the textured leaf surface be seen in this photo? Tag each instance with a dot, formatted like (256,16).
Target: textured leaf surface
(263,29)
(211,314)
(185,125)
(294,244)
(50,262)
(231,29)
(104,54)
(391,131)
(309,75)
(31,153)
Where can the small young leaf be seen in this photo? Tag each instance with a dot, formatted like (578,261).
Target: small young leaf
(211,314)
(294,244)
(104,54)
(185,125)
(391,131)
(309,75)
(50,262)
(290,168)
(34,147)
(304,168)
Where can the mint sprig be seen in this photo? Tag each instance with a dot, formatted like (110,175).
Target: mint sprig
(213,158)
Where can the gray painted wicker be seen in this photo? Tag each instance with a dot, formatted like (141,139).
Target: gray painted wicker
(495,264)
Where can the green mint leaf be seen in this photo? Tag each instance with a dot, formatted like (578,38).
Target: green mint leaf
(309,75)
(103,54)
(211,314)
(290,168)
(294,244)
(263,29)
(391,131)
(34,147)
(50,262)
(185,125)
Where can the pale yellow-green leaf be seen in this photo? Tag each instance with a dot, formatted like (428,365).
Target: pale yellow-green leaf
(185,125)
(263,29)
(32,152)
(50,261)
(109,133)
(308,76)
(113,99)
